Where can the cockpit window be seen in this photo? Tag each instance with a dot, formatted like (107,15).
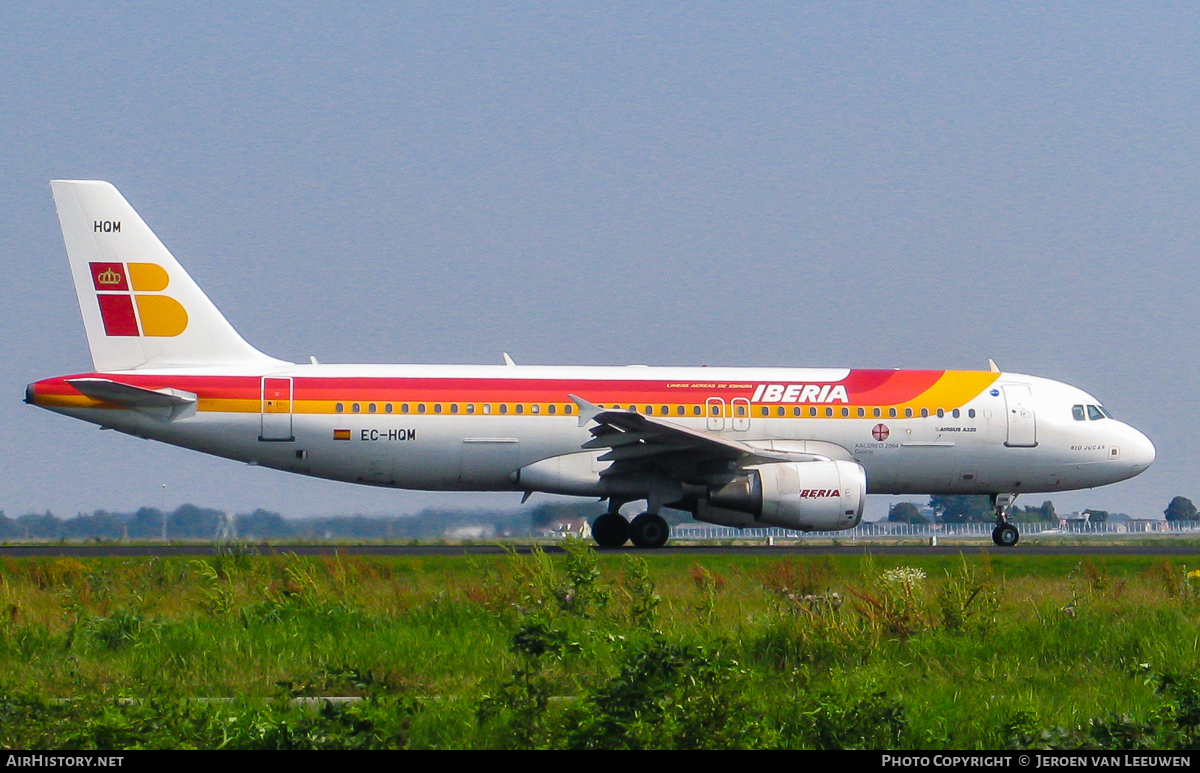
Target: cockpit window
(1094,413)
(1077,412)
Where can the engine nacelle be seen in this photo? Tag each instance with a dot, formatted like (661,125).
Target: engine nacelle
(806,496)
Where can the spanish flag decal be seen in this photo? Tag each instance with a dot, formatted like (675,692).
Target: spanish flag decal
(142,313)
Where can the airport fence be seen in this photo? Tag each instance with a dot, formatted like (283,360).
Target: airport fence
(940,531)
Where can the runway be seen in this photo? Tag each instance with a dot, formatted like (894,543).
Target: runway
(482,549)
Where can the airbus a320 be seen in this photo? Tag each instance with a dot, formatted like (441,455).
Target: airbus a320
(743,447)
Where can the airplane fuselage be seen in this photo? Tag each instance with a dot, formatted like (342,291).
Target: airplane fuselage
(474,428)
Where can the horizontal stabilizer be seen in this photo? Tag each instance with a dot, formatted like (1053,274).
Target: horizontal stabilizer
(166,404)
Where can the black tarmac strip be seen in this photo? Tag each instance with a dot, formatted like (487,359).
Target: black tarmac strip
(308,549)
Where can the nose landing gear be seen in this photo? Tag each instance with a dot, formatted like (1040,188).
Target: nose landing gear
(1005,534)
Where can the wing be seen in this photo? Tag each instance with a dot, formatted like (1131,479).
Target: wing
(640,444)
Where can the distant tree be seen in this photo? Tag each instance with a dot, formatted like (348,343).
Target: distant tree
(35,526)
(1181,509)
(905,512)
(192,522)
(961,508)
(8,527)
(1043,513)
(262,524)
(146,523)
(100,524)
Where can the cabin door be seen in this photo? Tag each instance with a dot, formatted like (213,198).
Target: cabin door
(1022,424)
(276,409)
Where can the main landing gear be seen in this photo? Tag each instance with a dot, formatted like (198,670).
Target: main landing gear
(1005,534)
(648,530)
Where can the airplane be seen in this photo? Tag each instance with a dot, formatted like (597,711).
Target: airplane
(741,447)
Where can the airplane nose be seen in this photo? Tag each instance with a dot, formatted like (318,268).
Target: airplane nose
(1138,451)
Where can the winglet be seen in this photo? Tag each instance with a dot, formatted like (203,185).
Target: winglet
(587,411)
(508,360)
(992,366)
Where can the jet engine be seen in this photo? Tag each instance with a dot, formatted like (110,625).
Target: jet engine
(806,496)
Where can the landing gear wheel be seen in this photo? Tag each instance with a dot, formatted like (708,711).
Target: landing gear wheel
(649,530)
(610,530)
(1005,535)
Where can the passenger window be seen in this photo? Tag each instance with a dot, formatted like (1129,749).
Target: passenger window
(956,413)
(812,412)
(371,408)
(356,408)
(1094,413)
(695,410)
(941,414)
(845,412)
(679,410)
(520,408)
(971,413)
(535,408)
(876,413)
(649,410)
(765,411)
(1077,412)
(828,413)
(404,408)
(503,408)
(862,412)
(453,407)
(550,409)
(420,407)
(567,409)
(437,408)
(796,411)
(470,407)
(781,411)
(339,408)
(891,413)
(387,408)
(908,413)
(487,408)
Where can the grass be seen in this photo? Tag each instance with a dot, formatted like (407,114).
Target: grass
(584,650)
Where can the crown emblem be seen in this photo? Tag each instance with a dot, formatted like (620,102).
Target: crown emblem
(108,277)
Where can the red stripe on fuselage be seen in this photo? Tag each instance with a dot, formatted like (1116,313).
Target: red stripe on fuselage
(864,387)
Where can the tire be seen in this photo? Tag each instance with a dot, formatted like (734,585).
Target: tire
(649,530)
(1005,536)
(610,530)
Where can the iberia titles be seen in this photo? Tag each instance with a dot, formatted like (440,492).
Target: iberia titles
(800,393)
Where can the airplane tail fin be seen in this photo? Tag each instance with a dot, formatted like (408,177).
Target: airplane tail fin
(140,308)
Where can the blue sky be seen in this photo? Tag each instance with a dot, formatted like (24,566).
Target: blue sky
(919,186)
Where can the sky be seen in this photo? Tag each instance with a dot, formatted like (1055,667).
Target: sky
(796,184)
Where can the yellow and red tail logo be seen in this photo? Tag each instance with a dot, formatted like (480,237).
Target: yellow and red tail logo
(142,312)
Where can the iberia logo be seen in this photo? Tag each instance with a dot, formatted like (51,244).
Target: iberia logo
(143,312)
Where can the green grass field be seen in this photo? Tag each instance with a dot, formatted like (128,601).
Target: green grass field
(590,651)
